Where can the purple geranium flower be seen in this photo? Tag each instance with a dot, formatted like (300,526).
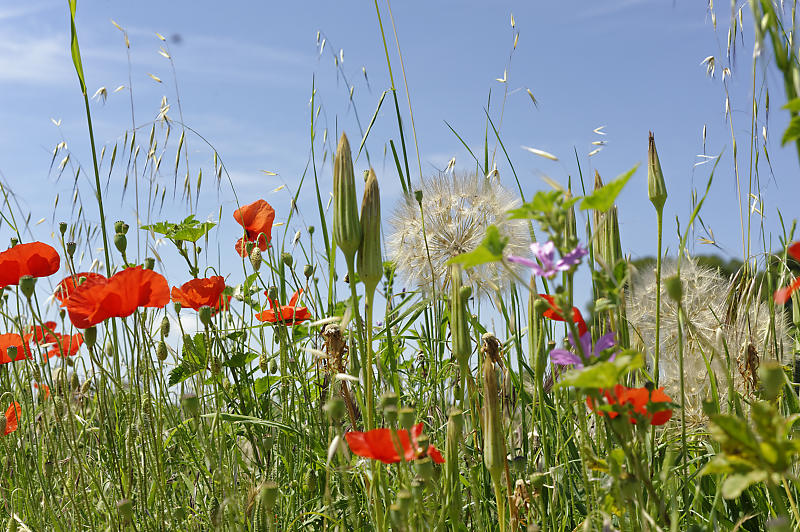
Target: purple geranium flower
(545,254)
(563,357)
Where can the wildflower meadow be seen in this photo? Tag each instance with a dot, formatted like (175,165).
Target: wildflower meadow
(473,352)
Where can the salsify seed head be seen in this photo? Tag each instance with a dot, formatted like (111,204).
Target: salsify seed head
(457,209)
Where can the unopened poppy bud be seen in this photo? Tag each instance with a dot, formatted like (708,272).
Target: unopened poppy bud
(772,379)
(71,246)
(370,259)
(424,468)
(287,259)
(109,348)
(149,263)
(27,284)
(165,326)
(656,187)
(90,336)
(125,510)
(263,362)
(62,313)
(308,271)
(249,247)
(407,416)
(118,225)
(346,225)
(255,258)
(177,306)
(120,242)
(335,408)
(161,351)
(272,292)
(205,315)
(390,415)
(62,228)
(74,381)
(388,399)
(540,305)
(674,288)
(190,404)
(273,367)
(14,241)
(12,352)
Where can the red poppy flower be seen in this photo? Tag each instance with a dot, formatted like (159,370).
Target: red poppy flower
(290,314)
(12,418)
(35,258)
(378,444)
(43,334)
(119,296)
(65,345)
(554,314)
(68,285)
(202,292)
(256,219)
(782,295)
(44,390)
(636,401)
(14,340)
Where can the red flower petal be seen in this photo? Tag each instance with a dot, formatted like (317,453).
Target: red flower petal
(12,418)
(289,314)
(378,444)
(35,258)
(554,314)
(256,219)
(10,339)
(782,295)
(794,251)
(65,288)
(43,334)
(66,345)
(202,292)
(44,390)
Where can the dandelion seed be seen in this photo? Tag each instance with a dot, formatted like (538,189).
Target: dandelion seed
(457,211)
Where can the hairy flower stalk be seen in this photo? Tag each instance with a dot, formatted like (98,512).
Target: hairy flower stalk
(452,504)
(657,192)
(459,328)
(494,448)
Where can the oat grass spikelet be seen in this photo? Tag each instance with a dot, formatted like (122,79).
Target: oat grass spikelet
(719,313)
(457,209)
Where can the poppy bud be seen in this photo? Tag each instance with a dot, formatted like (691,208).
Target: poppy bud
(62,313)
(120,242)
(272,292)
(62,228)
(125,509)
(249,247)
(407,416)
(255,258)
(11,351)
(459,325)
(346,225)
(370,260)
(205,315)
(656,187)
(287,259)
(390,415)
(71,246)
(418,196)
(118,225)
(161,351)
(310,230)
(190,404)
(109,348)
(74,381)
(269,492)
(263,362)
(273,366)
(674,288)
(165,326)
(308,271)
(335,408)
(149,263)
(27,284)
(90,336)
(389,399)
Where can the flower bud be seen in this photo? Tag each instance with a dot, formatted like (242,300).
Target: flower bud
(255,258)
(205,315)
(370,260)
(459,325)
(62,228)
(12,352)
(674,288)
(216,365)
(165,326)
(308,271)
(27,284)
(149,263)
(407,416)
(161,351)
(71,246)
(335,408)
(125,509)
(263,362)
(656,187)
(310,230)
(118,226)
(90,336)
(390,415)
(346,225)
(273,367)
(287,259)
(120,242)
(272,293)
(177,306)
(74,381)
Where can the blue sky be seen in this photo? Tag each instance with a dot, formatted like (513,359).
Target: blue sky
(245,70)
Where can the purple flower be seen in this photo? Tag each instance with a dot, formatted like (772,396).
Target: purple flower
(563,357)
(545,254)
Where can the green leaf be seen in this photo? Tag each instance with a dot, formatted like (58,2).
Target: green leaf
(603,374)
(735,484)
(76,52)
(262,384)
(792,132)
(793,105)
(189,230)
(490,250)
(604,197)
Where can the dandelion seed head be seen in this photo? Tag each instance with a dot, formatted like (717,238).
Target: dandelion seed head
(719,313)
(457,209)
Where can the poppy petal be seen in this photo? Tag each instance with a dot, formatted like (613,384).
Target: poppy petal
(35,258)
(794,251)
(12,418)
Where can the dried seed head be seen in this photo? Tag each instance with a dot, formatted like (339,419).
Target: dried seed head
(62,228)
(346,225)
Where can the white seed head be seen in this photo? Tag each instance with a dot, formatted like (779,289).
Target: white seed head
(457,210)
(719,313)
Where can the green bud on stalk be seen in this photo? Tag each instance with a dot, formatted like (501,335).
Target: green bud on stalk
(287,259)
(71,246)
(255,258)
(12,352)
(205,314)
(656,187)
(27,284)
(62,228)
(674,288)
(494,448)
(165,326)
(149,263)
(161,351)
(335,408)
(190,404)
(407,416)
(308,271)
(370,260)
(90,336)
(120,242)
(125,509)
(346,225)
